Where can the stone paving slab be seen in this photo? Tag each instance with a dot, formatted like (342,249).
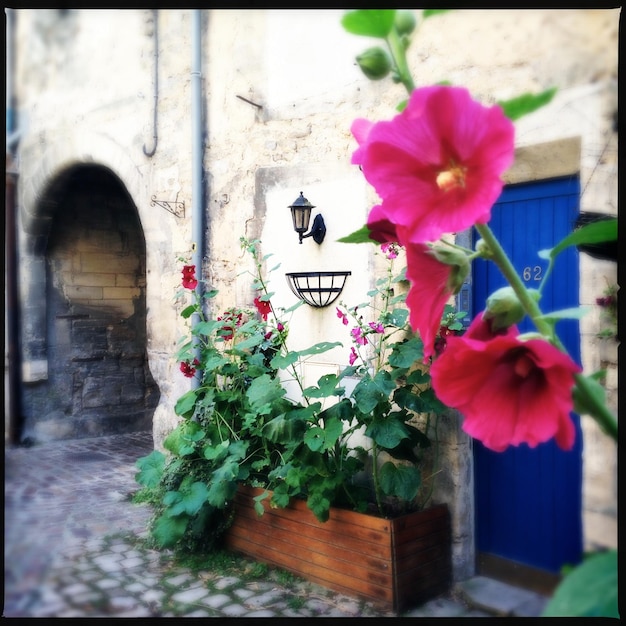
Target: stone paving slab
(75,547)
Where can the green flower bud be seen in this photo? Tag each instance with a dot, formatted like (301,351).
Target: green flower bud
(375,63)
(504,308)
(458,262)
(405,21)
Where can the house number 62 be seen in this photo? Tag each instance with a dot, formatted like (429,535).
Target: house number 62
(532,273)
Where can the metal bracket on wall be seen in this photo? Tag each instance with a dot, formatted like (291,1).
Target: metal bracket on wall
(175,208)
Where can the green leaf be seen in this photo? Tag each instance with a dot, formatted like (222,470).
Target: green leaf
(169,530)
(526,103)
(327,386)
(596,232)
(430,12)
(370,391)
(319,348)
(387,433)
(151,469)
(369,22)
(589,590)
(407,353)
(574,313)
(263,391)
(191,501)
(320,506)
(215,453)
(314,438)
(362,235)
(179,441)
(188,311)
(402,481)
(206,328)
(185,403)
(287,427)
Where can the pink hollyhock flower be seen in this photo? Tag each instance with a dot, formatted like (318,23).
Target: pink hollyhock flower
(189,277)
(509,391)
(263,307)
(428,294)
(390,250)
(358,337)
(437,165)
(342,316)
(353,356)
(377,327)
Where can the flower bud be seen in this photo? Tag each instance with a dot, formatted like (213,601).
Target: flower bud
(405,21)
(504,308)
(375,63)
(458,262)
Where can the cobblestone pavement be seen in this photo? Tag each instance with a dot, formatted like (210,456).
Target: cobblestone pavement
(74,548)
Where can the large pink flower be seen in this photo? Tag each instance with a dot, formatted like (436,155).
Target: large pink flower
(428,294)
(509,391)
(437,165)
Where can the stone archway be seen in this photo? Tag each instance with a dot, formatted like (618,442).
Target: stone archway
(93,250)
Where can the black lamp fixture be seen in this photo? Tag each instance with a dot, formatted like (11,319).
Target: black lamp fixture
(301,215)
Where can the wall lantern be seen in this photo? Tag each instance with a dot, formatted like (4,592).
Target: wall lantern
(318,289)
(301,215)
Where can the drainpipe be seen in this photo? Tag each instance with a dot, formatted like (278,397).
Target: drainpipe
(12,427)
(197,204)
(155,19)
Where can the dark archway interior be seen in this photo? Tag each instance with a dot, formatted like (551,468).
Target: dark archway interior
(99,381)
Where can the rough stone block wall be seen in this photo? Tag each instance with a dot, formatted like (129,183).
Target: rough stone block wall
(98,379)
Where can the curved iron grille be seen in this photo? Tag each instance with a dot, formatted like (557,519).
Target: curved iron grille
(318,289)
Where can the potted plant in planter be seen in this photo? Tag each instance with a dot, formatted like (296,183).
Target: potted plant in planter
(281,479)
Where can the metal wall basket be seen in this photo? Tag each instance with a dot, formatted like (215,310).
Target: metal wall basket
(318,289)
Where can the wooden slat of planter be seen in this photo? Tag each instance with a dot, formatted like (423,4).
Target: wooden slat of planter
(361,540)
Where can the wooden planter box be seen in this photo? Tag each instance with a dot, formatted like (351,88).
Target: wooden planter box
(394,563)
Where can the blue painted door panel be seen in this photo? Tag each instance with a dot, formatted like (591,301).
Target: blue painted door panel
(528,501)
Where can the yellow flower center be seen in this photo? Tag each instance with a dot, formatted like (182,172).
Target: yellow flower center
(453,177)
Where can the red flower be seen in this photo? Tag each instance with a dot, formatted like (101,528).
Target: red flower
(263,307)
(189,277)
(228,329)
(188,369)
(428,294)
(437,165)
(509,391)
(381,229)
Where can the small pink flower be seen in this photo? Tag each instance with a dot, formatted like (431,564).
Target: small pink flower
(437,166)
(353,356)
(390,250)
(377,327)
(342,316)
(358,337)
(508,390)
(280,327)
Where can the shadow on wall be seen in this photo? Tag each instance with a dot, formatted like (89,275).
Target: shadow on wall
(98,382)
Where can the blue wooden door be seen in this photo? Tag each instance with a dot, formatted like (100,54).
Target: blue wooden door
(528,501)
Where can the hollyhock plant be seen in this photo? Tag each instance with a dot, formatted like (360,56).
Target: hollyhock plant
(510,391)
(188,369)
(437,165)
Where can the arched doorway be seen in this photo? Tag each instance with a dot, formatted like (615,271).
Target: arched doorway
(98,380)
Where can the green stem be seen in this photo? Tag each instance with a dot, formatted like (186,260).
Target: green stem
(398,53)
